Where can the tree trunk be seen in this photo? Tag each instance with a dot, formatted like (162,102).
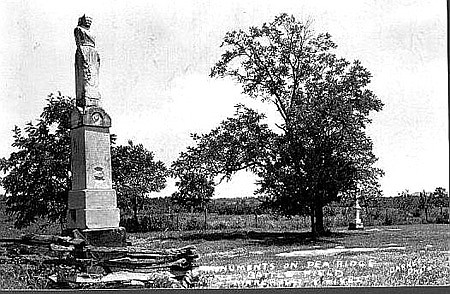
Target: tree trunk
(367,212)
(313,225)
(135,212)
(205,210)
(62,222)
(320,229)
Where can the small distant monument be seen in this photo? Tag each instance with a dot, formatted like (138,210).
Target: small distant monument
(92,203)
(356,224)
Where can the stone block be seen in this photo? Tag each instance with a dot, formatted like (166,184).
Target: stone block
(92,199)
(356,226)
(98,160)
(91,158)
(93,116)
(109,237)
(93,218)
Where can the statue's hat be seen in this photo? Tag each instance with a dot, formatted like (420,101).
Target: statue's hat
(85,21)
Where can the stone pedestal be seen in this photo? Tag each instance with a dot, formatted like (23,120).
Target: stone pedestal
(92,203)
(356,224)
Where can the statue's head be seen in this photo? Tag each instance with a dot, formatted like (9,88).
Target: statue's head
(85,21)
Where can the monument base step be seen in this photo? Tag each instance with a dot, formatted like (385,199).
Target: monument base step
(104,237)
(107,237)
(356,226)
(93,218)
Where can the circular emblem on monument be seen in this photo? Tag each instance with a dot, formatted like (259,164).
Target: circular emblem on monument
(97,118)
(99,175)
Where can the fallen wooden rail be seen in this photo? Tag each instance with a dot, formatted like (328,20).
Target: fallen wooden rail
(120,266)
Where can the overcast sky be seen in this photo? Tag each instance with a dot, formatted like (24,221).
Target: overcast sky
(156,58)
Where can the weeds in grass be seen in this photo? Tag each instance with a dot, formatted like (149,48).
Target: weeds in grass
(18,273)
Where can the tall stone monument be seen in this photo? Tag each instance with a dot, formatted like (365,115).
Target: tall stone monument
(92,203)
(357,223)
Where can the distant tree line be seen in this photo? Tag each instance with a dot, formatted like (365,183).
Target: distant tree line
(406,208)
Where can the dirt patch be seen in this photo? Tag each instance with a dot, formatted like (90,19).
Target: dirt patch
(335,251)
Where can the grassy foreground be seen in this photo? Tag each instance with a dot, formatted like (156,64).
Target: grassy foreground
(378,256)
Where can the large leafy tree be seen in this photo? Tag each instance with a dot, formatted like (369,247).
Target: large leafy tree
(320,151)
(37,177)
(135,174)
(194,190)
(238,143)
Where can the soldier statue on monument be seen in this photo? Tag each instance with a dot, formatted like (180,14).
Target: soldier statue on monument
(87,65)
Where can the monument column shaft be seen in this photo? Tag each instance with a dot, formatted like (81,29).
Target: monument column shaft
(92,202)
(91,158)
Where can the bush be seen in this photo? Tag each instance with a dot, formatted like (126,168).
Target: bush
(443,219)
(148,223)
(391,217)
(129,224)
(416,213)
(194,224)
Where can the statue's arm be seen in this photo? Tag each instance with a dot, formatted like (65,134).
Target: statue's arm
(77,33)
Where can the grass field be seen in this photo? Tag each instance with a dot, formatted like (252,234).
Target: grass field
(378,256)
(381,256)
